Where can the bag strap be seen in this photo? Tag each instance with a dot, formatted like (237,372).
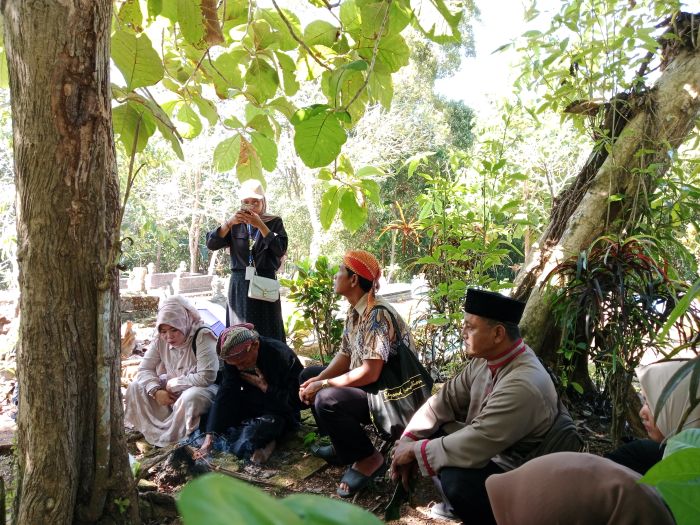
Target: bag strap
(397,331)
(194,338)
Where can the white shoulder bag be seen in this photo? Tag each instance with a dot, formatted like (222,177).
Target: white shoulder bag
(264,289)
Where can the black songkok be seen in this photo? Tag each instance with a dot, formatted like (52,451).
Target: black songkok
(493,305)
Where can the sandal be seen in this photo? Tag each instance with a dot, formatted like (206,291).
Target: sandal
(327,453)
(356,480)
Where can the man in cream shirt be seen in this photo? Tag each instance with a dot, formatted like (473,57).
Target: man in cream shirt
(486,419)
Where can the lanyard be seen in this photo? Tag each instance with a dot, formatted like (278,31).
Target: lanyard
(251,242)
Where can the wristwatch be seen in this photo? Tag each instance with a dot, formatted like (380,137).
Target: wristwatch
(152,391)
(324,383)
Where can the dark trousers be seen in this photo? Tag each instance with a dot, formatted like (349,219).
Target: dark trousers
(465,489)
(340,413)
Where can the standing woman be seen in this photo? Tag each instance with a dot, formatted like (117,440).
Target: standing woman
(254,238)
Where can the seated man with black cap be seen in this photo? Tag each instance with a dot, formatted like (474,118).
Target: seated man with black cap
(486,419)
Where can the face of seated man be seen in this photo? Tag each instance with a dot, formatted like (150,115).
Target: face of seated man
(171,335)
(245,359)
(482,338)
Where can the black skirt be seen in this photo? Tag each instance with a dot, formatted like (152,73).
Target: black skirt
(265,316)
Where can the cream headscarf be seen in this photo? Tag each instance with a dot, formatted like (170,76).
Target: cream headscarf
(654,378)
(179,313)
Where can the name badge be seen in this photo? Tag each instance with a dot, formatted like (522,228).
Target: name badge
(249,272)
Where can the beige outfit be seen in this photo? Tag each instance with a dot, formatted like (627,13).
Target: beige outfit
(493,410)
(570,488)
(177,370)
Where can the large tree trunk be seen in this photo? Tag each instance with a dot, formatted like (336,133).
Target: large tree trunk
(73,463)
(653,124)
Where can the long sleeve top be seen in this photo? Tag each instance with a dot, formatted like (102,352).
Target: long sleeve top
(237,399)
(493,410)
(267,251)
(179,364)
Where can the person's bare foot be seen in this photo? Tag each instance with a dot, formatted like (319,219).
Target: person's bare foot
(366,466)
(261,455)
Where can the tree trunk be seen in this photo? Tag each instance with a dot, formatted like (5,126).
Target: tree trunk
(72,458)
(316,228)
(196,222)
(658,122)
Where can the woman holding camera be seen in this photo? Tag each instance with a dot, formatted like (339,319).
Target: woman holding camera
(257,241)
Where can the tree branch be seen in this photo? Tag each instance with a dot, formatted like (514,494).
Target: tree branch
(298,39)
(374,57)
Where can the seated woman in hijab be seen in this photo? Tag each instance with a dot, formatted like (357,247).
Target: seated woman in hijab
(642,454)
(173,386)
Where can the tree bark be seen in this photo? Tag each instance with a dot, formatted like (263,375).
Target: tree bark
(71,451)
(654,124)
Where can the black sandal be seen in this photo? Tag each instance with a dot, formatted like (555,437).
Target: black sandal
(327,453)
(356,480)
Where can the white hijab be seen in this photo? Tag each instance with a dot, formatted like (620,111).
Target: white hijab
(654,378)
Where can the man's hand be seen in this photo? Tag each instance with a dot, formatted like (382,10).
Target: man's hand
(164,398)
(257,379)
(403,462)
(308,393)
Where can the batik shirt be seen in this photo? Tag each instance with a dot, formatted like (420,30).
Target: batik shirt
(372,336)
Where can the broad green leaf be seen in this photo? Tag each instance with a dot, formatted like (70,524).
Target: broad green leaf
(286,40)
(263,36)
(135,57)
(207,109)
(188,116)
(324,174)
(381,89)
(226,153)
(688,438)
(233,122)
(373,16)
(261,80)
(357,65)
(438,19)
(392,53)
(189,16)
(227,71)
(289,71)
(318,135)
(341,86)
(261,123)
(344,165)
(352,214)
(267,150)
(130,122)
(330,200)
(326,511)
(351,18)
(284,106)
(682,498)
(369,171)
(216,499)
(683,465)
(154,8)
(371,190)
(130,14)
(320,32)
(249,166)
(236,11)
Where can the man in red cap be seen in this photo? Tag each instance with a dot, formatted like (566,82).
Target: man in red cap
(486,419)
(335,393)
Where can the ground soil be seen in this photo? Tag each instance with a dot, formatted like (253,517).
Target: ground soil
(291,469)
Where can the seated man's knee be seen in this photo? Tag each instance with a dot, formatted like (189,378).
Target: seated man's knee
(325,400)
